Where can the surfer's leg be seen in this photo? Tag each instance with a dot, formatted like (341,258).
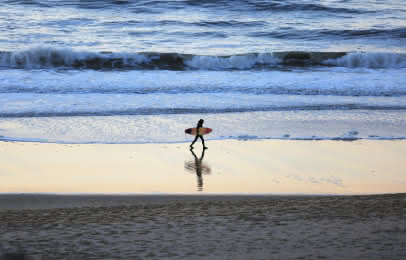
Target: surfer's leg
(194,141)
(204,146)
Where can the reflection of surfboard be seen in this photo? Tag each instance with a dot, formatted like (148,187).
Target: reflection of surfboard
(202,131)
(191,166)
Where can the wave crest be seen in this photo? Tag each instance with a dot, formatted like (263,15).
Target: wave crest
(46,57)
(369,60)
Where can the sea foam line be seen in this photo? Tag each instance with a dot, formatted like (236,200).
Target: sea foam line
(48,57)
(238,138)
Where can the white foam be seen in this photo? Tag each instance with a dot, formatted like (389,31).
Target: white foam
(232,62)
(40,57)
(370,60)
(327,81)
(23,105)
(33,58)
(349,136)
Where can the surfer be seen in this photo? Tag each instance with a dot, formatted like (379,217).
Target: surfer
(199,125)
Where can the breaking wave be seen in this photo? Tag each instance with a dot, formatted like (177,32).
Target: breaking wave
(43,57)
(369,60)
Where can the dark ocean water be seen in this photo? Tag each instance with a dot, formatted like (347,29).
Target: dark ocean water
(127,71)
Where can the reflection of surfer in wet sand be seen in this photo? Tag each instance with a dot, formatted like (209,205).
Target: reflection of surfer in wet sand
(198,167)
(199,134)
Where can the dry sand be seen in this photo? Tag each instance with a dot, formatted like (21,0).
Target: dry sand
(203,227)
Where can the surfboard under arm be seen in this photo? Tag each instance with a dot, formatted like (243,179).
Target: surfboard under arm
(202,131)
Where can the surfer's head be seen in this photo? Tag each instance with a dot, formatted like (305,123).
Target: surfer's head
(200,123)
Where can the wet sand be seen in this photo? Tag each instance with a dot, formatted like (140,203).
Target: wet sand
(195,216)
(228,166)
(202,227)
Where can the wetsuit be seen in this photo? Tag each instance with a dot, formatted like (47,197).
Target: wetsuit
(199,125)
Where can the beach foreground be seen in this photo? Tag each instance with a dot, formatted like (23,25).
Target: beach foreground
(199,216)
(202,227)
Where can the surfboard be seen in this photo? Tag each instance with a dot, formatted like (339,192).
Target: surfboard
(202,130)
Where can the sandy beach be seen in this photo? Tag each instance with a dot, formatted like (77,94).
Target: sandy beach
(269,199)
(306,101)
(202,227)
(227,167)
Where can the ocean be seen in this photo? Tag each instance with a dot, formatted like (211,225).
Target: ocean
(141,71)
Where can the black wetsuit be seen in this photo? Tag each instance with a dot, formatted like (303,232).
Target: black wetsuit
(199,125)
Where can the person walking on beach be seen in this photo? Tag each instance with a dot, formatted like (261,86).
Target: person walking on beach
(199,125)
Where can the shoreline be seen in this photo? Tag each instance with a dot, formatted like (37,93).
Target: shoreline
(344,138)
